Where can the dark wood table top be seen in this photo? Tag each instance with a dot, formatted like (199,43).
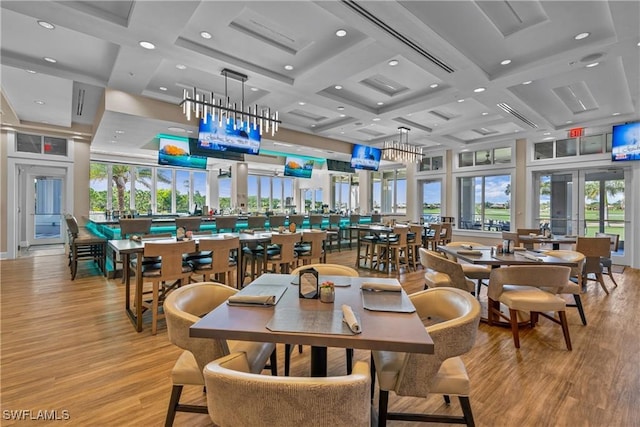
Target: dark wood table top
(486,257)
(380,330)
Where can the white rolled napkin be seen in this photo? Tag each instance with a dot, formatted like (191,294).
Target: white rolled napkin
(350,319)
(466,246)
(388,287)
(469,252)
(531,256)
(252,299)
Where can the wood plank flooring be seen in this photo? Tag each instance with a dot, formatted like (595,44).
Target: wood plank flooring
(68,345)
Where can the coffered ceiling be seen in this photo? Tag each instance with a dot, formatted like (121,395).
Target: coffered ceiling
(418,64)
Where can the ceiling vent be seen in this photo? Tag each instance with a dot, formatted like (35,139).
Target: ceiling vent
(307,115)
(80,102)
(396,34)
(507,108)
(440,115)
(384,85)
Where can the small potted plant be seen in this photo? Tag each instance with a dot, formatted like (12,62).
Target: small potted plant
(327,291)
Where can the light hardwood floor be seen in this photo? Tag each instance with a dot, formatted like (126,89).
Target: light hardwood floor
(68,345)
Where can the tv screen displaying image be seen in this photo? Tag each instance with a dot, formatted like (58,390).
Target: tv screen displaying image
(243,139)
(174,152)
(625,142)
(300,168)
(339,166)
(365,157)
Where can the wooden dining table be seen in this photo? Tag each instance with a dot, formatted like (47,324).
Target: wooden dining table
(555,241)
(128,248)
(381,330)
(485,256)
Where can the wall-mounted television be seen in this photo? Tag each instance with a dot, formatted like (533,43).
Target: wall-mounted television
(300,168)
(176,152)
(625,142)
(227,155)
(243,139)
(339,166)
(365,157)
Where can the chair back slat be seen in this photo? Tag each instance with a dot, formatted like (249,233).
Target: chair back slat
(189,223)
(170,256)
(222,250)
(130,226)
(226,223)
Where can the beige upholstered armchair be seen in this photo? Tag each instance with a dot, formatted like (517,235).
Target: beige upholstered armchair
(418,375)
(475,272)
(444,272)
(529,288)
(236,397)
(572,288)
(184,307)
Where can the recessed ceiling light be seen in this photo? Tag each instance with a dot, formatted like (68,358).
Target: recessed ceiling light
(505,62)
(39,102)
(301,103)
(528,82)
(341,132)
(479,89)
(340,108)
(47,25)
(393,62)
(338,87)
(435,125)
(205,35)
(341,33)
(147,45)
(343,115)
(181,67)
(615,114)
(517,130)
(581,36)
(593,64)
(162,88)
(638,44)
(113,141)
(376,119)
(547,133)
(461,100)
(433,85)
(254,89)
(464,150)
(30,71)
(484,113)
(313,126)
(548,138)
(380,103)
(176,129)
(49,59)
(45,122)
(569,122)
(288,67)
(119,132)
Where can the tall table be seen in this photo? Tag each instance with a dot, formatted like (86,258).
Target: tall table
(128,248)
(376,230)
(391,331)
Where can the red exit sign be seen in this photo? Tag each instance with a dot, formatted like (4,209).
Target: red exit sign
(576,132)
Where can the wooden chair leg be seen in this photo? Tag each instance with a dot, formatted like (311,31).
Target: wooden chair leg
(565,328)
(154,308)
(513,319)
(600,279)
(610,274)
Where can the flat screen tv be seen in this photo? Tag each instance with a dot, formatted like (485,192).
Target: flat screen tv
(339,166)
(227,155)
(175,152)
(213,137)
(365,157)
(300,168)
(625,142)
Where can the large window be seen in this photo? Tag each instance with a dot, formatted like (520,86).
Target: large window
(484,202)
(143,186)
(389,191)
(121,188)
(431,201)
(267,193)
(183,185)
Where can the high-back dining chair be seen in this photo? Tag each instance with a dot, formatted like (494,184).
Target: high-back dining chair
(223,261)
(446,233)
(312,246)
(256,222)
(594,249)
(433,236)
(572,288)
(606,262)
(529,288)
(298,220)
(188,223)
(170,267)
(315,221)
(134,226)
(283,258)
(444,372)
(226,224)
(184,307)
(526,232)
(398,249)
(441,271)
(334,231)
(236,397)
(276,221)
(84,246)
(476,272)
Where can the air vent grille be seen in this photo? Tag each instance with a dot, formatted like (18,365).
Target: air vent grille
(507,108)
(396,34)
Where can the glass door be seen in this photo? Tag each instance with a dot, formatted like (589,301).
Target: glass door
(431,201)
(45,202)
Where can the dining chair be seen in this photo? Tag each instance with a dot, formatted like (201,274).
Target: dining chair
(223,262)
(433,236)
(132,228)
(375,218)
(170,267)
(226,224)
(441,271)
(606,262)
(237,397)
(298,220)
(594,249)
(284,257)
(354,219)
(572,288)
(334,232)
(444,372)
(324,270)
(276,221)
(532,289)
(526,232)
(188,223)
(256,222)
(415,242)
(84,245)
(312,246)
(184,307)
(315,221)
(395,252)
(446,233)
(476,272)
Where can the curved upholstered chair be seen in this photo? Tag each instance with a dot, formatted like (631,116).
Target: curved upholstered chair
(418,375)
(325,270)
(529,288)
(444,272)
(479,273)
(572,288)
(236,397)
(182,309)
